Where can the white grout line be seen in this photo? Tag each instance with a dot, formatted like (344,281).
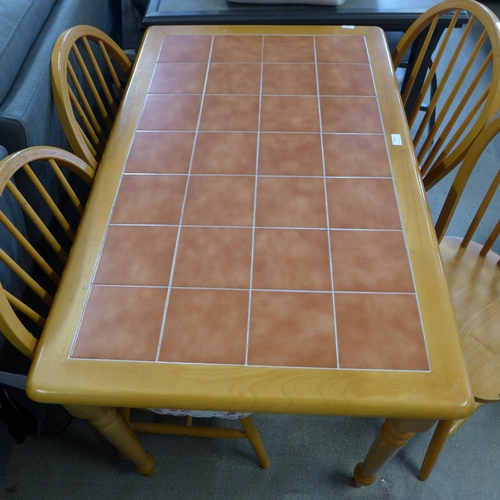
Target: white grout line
(174,259)
(326,207)
(247,345)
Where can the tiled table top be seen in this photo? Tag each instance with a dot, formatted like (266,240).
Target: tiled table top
(256,221)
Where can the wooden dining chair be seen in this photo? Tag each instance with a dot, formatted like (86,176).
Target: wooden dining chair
(38,220)
(473,273)
(186,428)
(464,64)
(89,72)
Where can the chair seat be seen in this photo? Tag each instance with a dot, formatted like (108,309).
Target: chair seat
(474,282)
(231,415)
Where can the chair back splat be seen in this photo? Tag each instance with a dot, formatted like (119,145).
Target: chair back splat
(89,74)
(460,95)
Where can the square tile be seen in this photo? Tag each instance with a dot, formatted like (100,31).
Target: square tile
(230,113)
(206,326)
(289,79)
(237,48)
(356,155)
(160,152)
(291,202)
(227,78)
(225,153)
(341,49)
(291,259)
(213,257)
(289,114)
(220,201)
(292,329)
(290,154)
(121,323)
(362,203)
(351,115)
(370,261)
(289,48)
(149,199)
(137,255)
(185,48)
(380,332)
(170,112)
(178,78)
(345,79)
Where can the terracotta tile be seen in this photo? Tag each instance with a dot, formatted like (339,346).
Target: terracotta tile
(292,329)
(121,323)
(289,79)
(225,153)
(160,152)
(214,257)
(339,49)
(149,199)
(289,49)
(206,326)
(356,155)
(178,78)
(290,154)
(362,203)
(236,48)
(291,259)
(380,332)
(350,114)
(370,261)
(185,48)
(220,201)
(289,114)
(137,255)
(345,79)
(170,112)
(224,78)
(291,202)
(230,113)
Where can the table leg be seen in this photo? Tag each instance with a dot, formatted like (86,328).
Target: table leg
(111,424)
(393,435)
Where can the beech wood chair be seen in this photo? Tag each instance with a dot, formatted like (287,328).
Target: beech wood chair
(34,248)
(89,73)
(466,94)
(473,275)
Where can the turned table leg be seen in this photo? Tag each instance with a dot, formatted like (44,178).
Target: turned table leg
(393,435)
(111,424)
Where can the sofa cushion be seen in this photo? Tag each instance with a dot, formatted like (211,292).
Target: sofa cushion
(22,20)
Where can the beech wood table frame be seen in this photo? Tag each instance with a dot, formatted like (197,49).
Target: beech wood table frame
(257,239)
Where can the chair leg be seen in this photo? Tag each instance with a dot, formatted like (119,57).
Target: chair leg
(252,434)
(435,446)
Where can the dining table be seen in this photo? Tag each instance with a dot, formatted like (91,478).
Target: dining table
(257,239)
